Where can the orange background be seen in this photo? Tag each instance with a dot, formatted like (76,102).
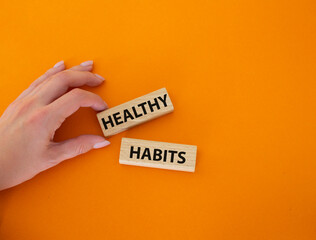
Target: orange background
(241,75)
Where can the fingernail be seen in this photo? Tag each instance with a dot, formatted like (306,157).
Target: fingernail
(101,144)
(106,105)
(99,76)
(59,64)
(86,63)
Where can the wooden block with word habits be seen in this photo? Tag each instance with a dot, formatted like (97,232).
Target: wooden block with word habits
(117,119)
(158,154)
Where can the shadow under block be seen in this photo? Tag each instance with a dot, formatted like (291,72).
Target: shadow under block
(139,110)
(158,154)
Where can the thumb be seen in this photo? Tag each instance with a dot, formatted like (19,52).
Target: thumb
(75,146)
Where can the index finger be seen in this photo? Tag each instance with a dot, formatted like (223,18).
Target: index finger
(70,102)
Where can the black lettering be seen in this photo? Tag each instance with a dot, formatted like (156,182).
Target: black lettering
(164,99)
(136,152)
(172,155)
(146,153)
(127,115)
(142,105)
(165,155)
(135,113)
(151,105)
(157,154)
(117,118)
(182,157)
(105,123)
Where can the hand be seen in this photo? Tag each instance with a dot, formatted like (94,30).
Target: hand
(28,125)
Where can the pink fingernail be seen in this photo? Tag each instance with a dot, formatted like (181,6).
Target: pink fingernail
(99,76)
(86,63)
(59,64)
(106,105)
(101,144)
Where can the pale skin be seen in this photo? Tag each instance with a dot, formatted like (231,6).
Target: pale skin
(28,125)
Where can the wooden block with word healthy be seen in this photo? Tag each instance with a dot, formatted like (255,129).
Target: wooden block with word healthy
(117,119)
(158,154)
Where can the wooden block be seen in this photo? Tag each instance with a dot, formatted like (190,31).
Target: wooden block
(117,119)
(158,154)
